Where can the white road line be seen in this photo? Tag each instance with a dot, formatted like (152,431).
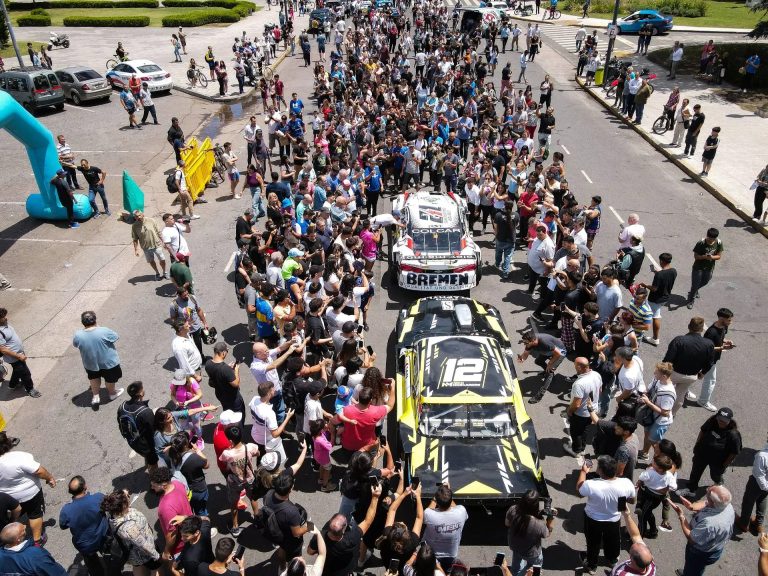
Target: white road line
(79,108)
(39,240)
(132,454)
(587,177)
(108,151)
(15,203)
(564,148)
(621,221)
(229,262)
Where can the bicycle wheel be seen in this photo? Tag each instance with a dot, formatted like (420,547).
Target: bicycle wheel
(611,92)
(268,73)
(217,175)
(556,15)
(650,87)
(201,79)
(111,63)
(660,125)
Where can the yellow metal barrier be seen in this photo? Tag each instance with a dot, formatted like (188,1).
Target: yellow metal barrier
(198,165)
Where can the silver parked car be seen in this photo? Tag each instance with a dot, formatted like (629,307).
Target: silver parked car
(82,84)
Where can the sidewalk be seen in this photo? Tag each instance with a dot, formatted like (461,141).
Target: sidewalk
(94,46)
(574,20)
(741,152)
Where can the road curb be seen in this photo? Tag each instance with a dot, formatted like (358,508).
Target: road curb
(720,195)
(238,97)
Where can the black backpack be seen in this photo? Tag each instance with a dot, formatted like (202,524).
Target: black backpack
(113,549)
(266,519)
(128,424)
(170,183)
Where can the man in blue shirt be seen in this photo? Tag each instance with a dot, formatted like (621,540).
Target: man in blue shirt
(296,106)
(86,522)
(464,132)
(20,557)
(372,186)
(100,359)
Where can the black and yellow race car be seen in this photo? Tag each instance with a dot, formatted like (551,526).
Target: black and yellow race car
(460,416)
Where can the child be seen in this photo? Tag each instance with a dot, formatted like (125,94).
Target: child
(652,487)
(186,393)
(343,399)
(322,453)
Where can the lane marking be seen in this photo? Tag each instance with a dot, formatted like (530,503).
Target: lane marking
(108,151)
(587,177)
(132,454)
(79,108)
(38,240)
(11,202)
(647,254)
(229,262)
(564,148)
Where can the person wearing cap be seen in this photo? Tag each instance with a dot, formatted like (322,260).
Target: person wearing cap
(66,195)
(244,228)
(186,307)
(708,531)
(146,235)
(224,378)
(239,460)
(631,260)
(227,419)
(293,263)
(186,393)
(100,359)
(717,445)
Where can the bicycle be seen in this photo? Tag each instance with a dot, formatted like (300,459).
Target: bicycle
(218,170)
(112,62)
(199,76)
(554,14)
(661,124)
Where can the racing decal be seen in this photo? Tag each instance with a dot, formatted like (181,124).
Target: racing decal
(438,281)
(430,214)
(463,372)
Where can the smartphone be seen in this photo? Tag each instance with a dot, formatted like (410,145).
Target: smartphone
(360,329)
(300,436)
(622,503)
(398,465)
(394,566)
(193,440)
(415,481)
(310,526)
(499,559)
(592,396)
(383,440)
(536,570)
(370,350)
(373,481)
(239,552)
(588,461)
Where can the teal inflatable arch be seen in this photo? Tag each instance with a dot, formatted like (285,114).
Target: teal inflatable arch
(44,159)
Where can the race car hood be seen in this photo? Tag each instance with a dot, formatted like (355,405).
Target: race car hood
(477,471)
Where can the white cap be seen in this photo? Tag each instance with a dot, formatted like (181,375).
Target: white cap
(228,417)
(179,378)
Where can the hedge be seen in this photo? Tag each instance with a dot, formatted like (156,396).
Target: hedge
(244,9)
(201,18)
(108,21)
(199,3)
(24,6)
(39,12)
(688,8)
(34,20)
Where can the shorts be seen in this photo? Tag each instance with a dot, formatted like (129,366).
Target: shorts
(151,253)
(131,111)
(656,308)
(234,176)
(110,375)
(153,564)
(656,432)
(590,74)
(235,489)
(34,507)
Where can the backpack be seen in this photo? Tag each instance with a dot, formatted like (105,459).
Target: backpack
(170,182)
(128,424)
(114,550)
(266,519)
(178,475)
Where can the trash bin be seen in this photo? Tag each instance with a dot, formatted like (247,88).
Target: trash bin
(599,76)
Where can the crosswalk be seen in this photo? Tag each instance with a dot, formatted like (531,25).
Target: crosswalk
(565,36)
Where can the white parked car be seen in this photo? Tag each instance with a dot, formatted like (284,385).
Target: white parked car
(147,71)
(435,251)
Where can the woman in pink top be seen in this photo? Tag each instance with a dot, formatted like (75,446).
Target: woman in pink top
(370,241)
(185,391)
(322,453)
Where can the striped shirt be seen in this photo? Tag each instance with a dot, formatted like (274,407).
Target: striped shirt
(622,569)
(642,314)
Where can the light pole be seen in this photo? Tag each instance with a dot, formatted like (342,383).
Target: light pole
(10,33)
(611,40)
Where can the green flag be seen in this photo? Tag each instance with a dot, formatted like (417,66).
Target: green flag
(133,196)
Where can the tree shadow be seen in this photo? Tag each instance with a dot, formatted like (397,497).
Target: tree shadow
(16,231)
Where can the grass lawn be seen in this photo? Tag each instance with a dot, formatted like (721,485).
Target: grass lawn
(8,52)
(719,15)
(156,15)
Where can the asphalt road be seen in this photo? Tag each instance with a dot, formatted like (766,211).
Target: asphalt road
(602,156)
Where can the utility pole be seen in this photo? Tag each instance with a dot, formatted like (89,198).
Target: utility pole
(10,33)
(611,40)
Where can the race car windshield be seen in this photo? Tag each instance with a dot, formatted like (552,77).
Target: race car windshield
(467,421)
(437,240)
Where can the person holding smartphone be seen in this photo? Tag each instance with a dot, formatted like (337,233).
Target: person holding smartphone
(224,554)
(399,541)
(526,528)
(444,522)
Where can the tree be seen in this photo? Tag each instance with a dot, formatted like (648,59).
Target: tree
(761,29)
(4,38)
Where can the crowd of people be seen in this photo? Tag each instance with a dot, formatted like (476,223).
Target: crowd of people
(402,101)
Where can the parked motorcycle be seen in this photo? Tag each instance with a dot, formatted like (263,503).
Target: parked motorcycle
(58,40)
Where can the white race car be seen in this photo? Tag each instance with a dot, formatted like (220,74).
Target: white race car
(435,251)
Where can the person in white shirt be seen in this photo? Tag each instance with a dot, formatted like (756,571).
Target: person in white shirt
(585,389)
(755,494)
(602,519)
(660,399)
(265,430)
(629,373)
(540,256)
(653,485)
(264,369)
(184,350)
(185,198)
(677,56)
(230,159)
(146,102)
(633,229)
(581,35)
(335,318)
(173,237)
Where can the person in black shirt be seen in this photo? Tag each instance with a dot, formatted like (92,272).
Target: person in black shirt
(95,178)
(342,539)
(549,353)
(225,379)
(292,523)
(187,458)
(137,409)
(718,444)
(66,195)
(244,228)
(176,138)
(661,290)
(196,535)
(399,542)
(317,332)
(691,356)
(716,333)
(504,225)
(587,326)
(224,555)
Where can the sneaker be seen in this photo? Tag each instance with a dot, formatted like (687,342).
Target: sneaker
(690,396)
(5,285)
(95,401)
(238,196)
(195,217)
(643,458)
(368,554)
(678,572)
(235,532)
(165,276)
(214,531)
(74,225)
(651,341)
(329,487)
(201,200)
(107,212)
(568,449)
(34,393)
(116,394)
(708,406)
(96,214)
(158,277)
(580,460)
(689,305)
(665,527)
(685,493)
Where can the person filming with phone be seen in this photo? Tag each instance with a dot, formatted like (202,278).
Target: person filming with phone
(526,528)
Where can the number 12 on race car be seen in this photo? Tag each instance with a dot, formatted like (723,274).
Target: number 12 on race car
(463,371)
